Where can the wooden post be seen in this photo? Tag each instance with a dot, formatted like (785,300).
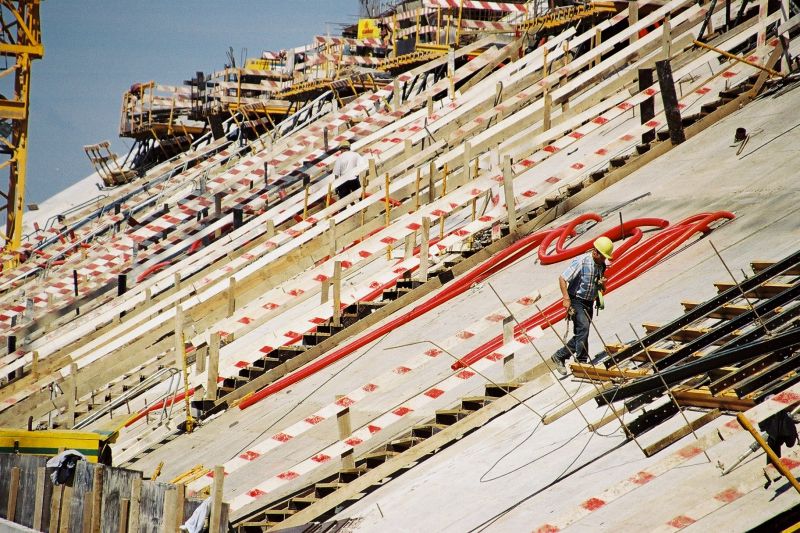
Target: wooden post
(633,18)
(270,228)
(213,367)
(508,360)
(35,365)
(176,280)
(324,140)
(445,171)
(305,202)
(325,290)
(429,105)
(201,355)
(508,190)
(87,512)
(466,160)
(13,489)
(179,346)
(396,96)
(218,204)
(38,504)
(231,296)
(416,189)
(670,99)
(331,237)
(431,178)
(345,429)
(408,147)
(337,293)
(408,250)
(647,109)
(498,93)
(548,105)
(666,38)
(424,250)
(133,514)
(598,39)
(97,498)
(124,511)
(373,171)
(72,394)
(216,502)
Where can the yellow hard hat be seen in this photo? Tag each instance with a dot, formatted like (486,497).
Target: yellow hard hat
(345,144)
(604,246)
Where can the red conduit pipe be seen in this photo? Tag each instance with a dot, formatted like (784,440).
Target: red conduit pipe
(449,292)
(156,406)
(152,270)
(633,263)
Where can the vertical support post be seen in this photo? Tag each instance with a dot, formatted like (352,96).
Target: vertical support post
(87,512)
(429,105)
(598,39)
(408,147)
(38,503)
(508,190)
(181,500)
(388,211)
(55,508)
(345,429)
(761,42)
(396,97)
(216,502)
(408,249)
(548,107)
(647,109)
(416,189)
(431,178)
(72,394)
(373,171)
(337,293)
(176,281)
(97,498)
(200,361)
(467,156)
(213,367)
(122,284)
(424,249)
(508,336)
(66,510)
(35,365)
(324,140)
(238,217)
(666,38)
(670,99)
(231,296)
(179,347)
(331,237)
(218,204)
(633,18)
(270,228)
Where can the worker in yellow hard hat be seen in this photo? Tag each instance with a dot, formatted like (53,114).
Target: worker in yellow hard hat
(582,283)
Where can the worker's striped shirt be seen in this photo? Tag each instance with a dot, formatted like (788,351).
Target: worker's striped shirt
(583,277)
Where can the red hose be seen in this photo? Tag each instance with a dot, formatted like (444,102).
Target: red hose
(450,291)
(152,270)
(630,264)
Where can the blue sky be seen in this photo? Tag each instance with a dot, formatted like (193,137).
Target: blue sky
(95,49)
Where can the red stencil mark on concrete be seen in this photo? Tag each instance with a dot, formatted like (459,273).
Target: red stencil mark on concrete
(369,387)
(321,458)
(255,493)
(642,477)
(250,455)
(282,437)
(592,504)
(402,411)
(344,401)
(680,522)
(288,475)
(434,393)
(314,420)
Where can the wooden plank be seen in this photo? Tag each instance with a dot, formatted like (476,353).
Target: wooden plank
(134,508)
(55,508)
(700,398)
(86,514)
(180,504)
(216,503)
(66,510)
(97,499)
(82,496)
(677,435)
(13,489)
(170,510)
(39,499)
(117,484)
(601,373)
(577,402)
(213,367)
(402,460)
(670,100)
(124,508)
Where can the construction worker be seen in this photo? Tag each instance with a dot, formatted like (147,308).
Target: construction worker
(347,167)
(581,286)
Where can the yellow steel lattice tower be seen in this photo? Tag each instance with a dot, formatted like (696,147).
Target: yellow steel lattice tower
(20,43)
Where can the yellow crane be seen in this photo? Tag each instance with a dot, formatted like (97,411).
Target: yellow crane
(20,44)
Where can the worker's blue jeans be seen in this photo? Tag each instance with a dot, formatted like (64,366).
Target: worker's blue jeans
(579,343)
